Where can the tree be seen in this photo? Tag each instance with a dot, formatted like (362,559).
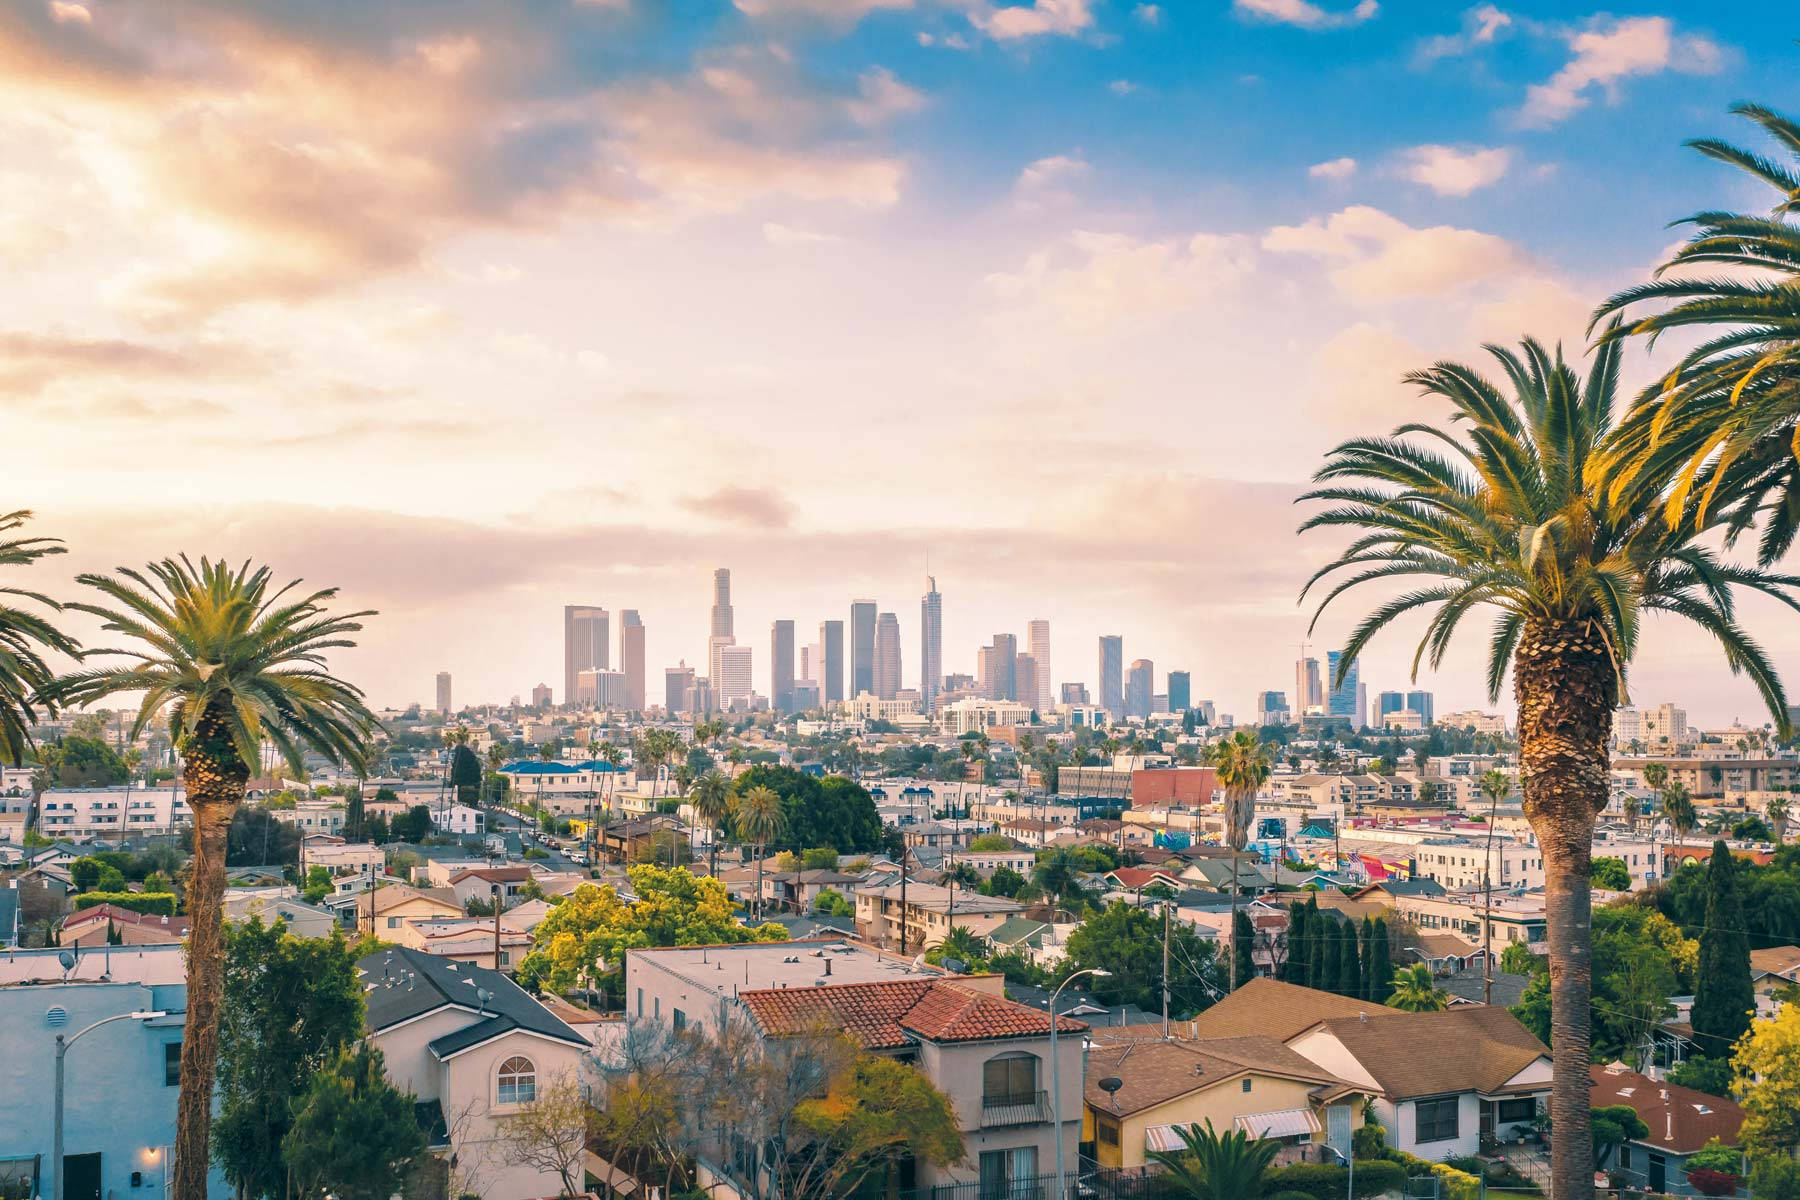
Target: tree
(1241,763)
(711,798)
(759,816)
(990,843)
(1213,1166)
(1326,958)
(1610,874)
(1703,1074)
(289,1006)
(1680,807)
(1416,991)
(76,762)
(318,885)
(1724,999)
(1350,980)
(465,774)
(1004,882)
(1381,977)
(1768,1078)
(25,676)
(1640,959)
(413,825)
(1520,508)
(233,661)
(1775,1177)
(549,1134)
(1127,942)
(834,811)
(355,829)
(1777,812)
(875,1114)
(1243,943)
(833,904)
(355,1135)
(1614,1126)
(1715,1169)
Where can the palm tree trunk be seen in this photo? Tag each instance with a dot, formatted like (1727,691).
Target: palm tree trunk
(1564,681)
(215,787)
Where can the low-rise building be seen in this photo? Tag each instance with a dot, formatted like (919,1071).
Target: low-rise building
(1681,1121)
(117,813)
(927,912)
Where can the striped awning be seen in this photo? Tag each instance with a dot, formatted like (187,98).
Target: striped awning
(1282,1123)
(1164,1137)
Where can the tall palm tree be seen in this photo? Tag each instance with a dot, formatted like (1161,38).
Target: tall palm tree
(1214,1166)
(233,661)
(1777,810)
(711,798)
(1416,991)
(1680,807)
(760,818)
(1723,423)
(1496,786)
(1241,763)
(24,636)
(1518,511)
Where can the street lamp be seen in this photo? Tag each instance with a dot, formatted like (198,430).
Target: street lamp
(62,1048)
(1055,1076)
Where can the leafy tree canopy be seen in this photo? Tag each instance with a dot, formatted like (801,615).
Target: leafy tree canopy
(1128,942)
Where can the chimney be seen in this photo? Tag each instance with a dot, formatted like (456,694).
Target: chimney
(828,966)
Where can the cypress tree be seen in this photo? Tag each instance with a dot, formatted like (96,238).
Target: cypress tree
(1381,967)
(1349,968)
(1723,996)
(1368,950)
(1325,962)
(1314,926)
(1299,950)
(1243,936)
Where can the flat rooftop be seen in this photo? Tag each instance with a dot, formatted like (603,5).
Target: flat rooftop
(157,966)
(727,970)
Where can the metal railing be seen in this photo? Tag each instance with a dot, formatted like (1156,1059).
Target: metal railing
(1023,1108)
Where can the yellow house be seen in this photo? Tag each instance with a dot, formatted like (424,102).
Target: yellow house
(1140,1092)
(388,912)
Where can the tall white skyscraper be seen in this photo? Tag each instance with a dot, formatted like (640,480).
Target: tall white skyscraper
(1038,634)
(733,680)
(586,632)
(931,644)
(887,656)
(721,635)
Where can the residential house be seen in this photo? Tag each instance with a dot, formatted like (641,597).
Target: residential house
(302,919)
(1773,968)
(114,813)
(927,912)
(354,866)
(93,925)
(387,909)
(483,883)
(474,1048)
(798,891)
(1680,1121)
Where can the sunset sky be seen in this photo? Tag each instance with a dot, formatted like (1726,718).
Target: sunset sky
(476,309)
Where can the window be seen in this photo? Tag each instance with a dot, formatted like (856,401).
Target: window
(171,1064)
(1435,1120)
(1246,1083)
(1106,1131)
(1009,1079)
(640,1000)
(518,1082)
(1008,1172)
(679,1018)
(1517,1110)
(393,922)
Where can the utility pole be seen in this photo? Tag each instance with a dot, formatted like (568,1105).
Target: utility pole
(1165,988)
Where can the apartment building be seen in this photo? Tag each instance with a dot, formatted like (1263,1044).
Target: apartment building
(113,812)
(927,913)
(313,816)
(1729,774)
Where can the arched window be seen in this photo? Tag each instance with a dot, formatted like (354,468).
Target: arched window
(518,1081)
(1009,1079)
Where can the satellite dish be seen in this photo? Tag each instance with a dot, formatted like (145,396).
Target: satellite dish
(67,959)
(482,996)
(1111,1085)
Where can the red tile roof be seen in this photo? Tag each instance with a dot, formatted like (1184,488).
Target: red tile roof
(890,1015)
(122,916)
(1680,1119)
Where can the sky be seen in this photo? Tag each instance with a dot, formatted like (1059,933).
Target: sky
(476,309)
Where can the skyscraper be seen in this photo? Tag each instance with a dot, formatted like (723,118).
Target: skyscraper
(781,666)
(887,656)
(812,664)
(1343,701)
(1112,674)
(677,683)
(722,634)
(1075,693)
(1037,634)
(931,644)
(1140,685)
(631,658)
(732,686)
(540,696)
(831,654)
(1425,705)
(1388,702)
(443,691)
(1025,679)
(1180,691)
(585,637)
(1308,692)
(997,665)
(862,647)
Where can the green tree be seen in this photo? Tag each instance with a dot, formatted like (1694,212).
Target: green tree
(1703,1074)
(1243,943)
(1613,1127)
(990,843)
(290,1004)
(1610,874)
(1724,999)
(413,825)
(234,662)
(1768,1079)
(1350,980)
(760,817)
(1517,507)
(1326,957)
(1005,882)
(25,636)
(318,885)
(465,774)
(1127,942)
(1640,959)
(874,1115)
(1214,1166)
(833,904)
(711,798)
(355,830)
(78,762)
(354,1134)
(1241,763)
(1416,991)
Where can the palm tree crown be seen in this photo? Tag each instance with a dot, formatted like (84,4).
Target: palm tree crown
(1215,1166)
(1242,763)
(24,636)
(1416,991)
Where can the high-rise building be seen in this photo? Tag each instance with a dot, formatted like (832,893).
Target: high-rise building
(1308,691)
(812,665)
(781,666)
(931,645)
(1037,635)
(678,682)
(831,656)
(732,686)
(1361,720)
(997,667)
(887,656)
(1342,701)
(631,658)
(443,691)
(1140,685)
(1075,693)
(1272,708)
(1025,679)
(585,637)
(862,647)
(721,606)
(1180,691)
(1424,704)
(540,696)
(1112,674)
(605,688)
(1388,702)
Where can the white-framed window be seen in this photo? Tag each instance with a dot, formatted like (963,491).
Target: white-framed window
(517,1083)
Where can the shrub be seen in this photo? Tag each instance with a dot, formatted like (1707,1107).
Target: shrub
(161,904)
(1369,1141)
(1287,1196)
(1775,1177)
(1325,1181)
(1713,1183)
(1377,1176)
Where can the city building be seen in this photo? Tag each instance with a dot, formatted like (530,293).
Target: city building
(678,681)
(781,666)
(1025,679)
(1488,724)
(540,696)
(1386,703)
(972,714)
(1343,700)
(1308,688)
(1076,695)
(1112,674)
(873,708)
(731,686)
(1140,685)
(1422,703)
(862,647)
(585,639)
(1037,637)
(997,668)
(603,689)
(443,692)
(831,655)
(931,644)
(631,658)
(1272,708)
(723,629)
(1655,728)
(112,812)
(1180,692)
(887,656)
(926,911)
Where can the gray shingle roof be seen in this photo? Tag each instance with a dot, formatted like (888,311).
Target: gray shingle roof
(400,983)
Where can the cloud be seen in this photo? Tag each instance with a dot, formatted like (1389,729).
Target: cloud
(32,362)
(1450,171)
(1376,256)
(64,13)
(1612,49)
(1052,171)
(1097,283)
(1148,14)
(1305,14)
(882,97)
(1122,87)
(760,508)
(777,234)
(1337,168)
(846,11)
(1481,26)
(1034,19)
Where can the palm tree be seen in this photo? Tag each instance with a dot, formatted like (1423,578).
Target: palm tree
(1416,991)
(232,661)
(1241,763)
(711,798)
(1777,810)
(760,818)
(24,675)
(1723,422)
(1214,1166)
(1680,807)
(1518,511)
(1496,786)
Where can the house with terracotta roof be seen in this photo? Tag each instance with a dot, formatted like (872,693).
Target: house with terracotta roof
(90,927)
(1680,1120)
(480,884)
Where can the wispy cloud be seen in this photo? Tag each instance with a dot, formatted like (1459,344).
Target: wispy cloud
(1481,26)
(1453,170)
(1305,14)
(1609,50)
(761,508)
(1337,168)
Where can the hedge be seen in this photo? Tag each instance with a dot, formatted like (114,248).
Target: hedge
(158,904)
(1325,1181)
(1457,1184)
(1288,1196)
